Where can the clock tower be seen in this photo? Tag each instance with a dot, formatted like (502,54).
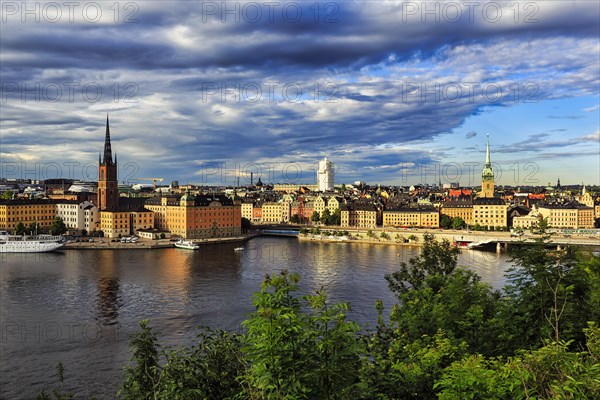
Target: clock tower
(487,176)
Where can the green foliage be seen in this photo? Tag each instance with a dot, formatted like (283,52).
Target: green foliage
(549,296)
(20,229)
(315,217)
(295,354)
(384,236)
(58,227)
(335,218)
(57,394)
(208,370)
(445,221)
(140,380)
(295,219)
(246,224)
(551,372)
(33,228)
(435,258)
(7,195)
(458,223)
(325,216)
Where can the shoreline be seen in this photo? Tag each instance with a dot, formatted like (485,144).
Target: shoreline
(148,244)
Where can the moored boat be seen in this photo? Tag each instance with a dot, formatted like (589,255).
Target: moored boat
(29,244)
(186,244)
(238,249)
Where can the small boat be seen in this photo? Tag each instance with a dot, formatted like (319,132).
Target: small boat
(238,249)
(186,244)
(33,244)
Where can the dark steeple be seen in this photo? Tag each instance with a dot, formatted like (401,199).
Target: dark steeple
(107,150)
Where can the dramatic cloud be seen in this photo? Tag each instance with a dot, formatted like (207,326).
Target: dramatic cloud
(205,91)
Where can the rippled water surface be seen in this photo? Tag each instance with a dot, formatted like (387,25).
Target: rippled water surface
(80,306)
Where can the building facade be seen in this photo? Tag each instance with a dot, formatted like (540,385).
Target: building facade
(426,217)
(490,212)
(196,217)
(26,211)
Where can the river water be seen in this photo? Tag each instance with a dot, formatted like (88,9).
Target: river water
(80,306)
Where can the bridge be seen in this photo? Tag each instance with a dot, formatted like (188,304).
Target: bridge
(280,232)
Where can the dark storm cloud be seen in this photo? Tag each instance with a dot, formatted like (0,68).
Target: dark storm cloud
(177,51)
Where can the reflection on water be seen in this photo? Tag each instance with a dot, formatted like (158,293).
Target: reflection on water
(80,307)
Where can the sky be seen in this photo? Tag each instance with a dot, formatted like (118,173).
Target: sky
(393,92)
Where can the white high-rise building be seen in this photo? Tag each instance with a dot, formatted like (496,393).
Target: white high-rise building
(325,175)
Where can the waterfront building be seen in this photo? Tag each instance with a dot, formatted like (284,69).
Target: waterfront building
(570,215)
(319,204)
(426,217)
(459,209)
(325,175)
(196,216)
(79,215)
(490,212)
(246,209)
(118,216)
(26,211)
(358,215)
(276,212)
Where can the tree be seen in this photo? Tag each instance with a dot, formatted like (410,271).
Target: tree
(549,295)
(445,221)
(296,354)
(20,229)
(58,227)
(141,379)
(84,232)
(335,218)
(7,195)
(325,215)
(458,223)
(384,236)
(246,224)
(315,217)
(33,227)
(295,219)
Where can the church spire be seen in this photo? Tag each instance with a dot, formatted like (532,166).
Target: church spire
(488,162)
(107,148)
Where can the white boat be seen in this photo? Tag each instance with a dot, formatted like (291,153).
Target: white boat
(186,244)
(29,244)
(238,249)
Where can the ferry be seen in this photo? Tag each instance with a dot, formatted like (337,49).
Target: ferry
(186,244)
(29,244)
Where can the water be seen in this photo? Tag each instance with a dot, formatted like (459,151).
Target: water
(80,306)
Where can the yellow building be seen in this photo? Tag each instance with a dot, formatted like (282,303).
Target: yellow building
(490,212)
(247,210)
(426,217)
(319,205)
(571,215)
(26,211)
(359,216)
(459,209)
(276,212)
(115,224)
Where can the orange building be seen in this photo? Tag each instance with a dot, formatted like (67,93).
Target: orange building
(196,217)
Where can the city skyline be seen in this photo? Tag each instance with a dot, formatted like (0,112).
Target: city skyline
(264,91)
